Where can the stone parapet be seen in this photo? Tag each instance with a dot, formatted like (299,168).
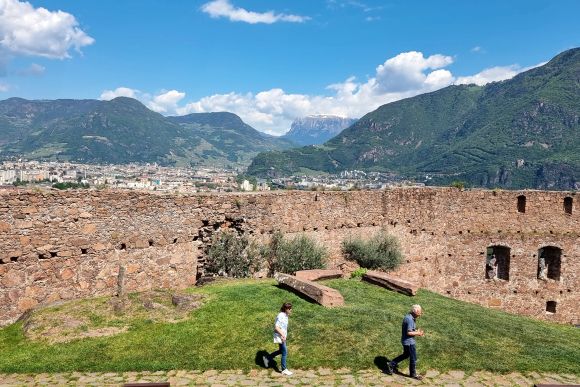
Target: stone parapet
(58,245)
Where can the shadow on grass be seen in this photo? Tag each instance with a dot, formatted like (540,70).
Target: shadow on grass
(260,361)
(381,363)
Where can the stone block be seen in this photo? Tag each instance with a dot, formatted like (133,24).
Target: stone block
(320,294)
(89,229)
(392,283)
(494,302)
(26,303)
(318,274)
(4,227)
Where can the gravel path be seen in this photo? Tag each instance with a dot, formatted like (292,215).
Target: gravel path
(319,377)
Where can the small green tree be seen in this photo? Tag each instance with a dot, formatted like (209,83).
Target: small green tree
(290,256)
(232,255)
(382,251)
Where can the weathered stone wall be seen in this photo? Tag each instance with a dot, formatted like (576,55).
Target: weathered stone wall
(62,245)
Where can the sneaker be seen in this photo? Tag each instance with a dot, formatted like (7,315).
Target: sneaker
(286,372)
(418,377)
(266,361)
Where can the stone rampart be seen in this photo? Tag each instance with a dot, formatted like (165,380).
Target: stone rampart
(61,245)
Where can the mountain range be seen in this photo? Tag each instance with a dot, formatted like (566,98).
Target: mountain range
(123,130)
(519,133)
(317,129)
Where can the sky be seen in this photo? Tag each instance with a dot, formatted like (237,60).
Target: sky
(272,61)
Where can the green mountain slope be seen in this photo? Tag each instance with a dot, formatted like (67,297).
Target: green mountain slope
(226,136)
(523,132)
(123,130)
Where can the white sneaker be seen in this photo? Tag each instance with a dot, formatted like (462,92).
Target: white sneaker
(266,361)
(286,372)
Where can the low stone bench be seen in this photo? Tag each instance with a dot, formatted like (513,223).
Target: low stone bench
(318,274)
(320,294)
(391,283)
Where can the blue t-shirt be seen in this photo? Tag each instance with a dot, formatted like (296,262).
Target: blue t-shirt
(408,326)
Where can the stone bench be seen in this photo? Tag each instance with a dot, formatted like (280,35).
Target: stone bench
(391,283)
(318,274)
(320,294)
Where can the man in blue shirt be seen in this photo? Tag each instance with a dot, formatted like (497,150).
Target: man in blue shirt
(409,331)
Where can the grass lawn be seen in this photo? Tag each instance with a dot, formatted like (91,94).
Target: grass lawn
(235,323)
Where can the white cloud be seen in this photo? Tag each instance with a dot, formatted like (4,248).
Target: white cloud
(476,49)
(272,111)
(406,71)
(223,8)
(108,95)
(25,30)
(492,74)
(166,102)
(4,87)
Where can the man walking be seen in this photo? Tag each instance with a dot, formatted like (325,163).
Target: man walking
(409,331)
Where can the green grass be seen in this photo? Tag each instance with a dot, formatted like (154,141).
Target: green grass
(236,320)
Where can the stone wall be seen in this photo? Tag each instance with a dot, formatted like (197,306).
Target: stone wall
(63,245)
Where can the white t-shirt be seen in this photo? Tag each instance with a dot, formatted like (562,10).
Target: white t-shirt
(282,324)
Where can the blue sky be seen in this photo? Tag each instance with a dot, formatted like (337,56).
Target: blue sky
(272,61)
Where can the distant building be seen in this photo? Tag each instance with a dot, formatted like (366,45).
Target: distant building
(246,186)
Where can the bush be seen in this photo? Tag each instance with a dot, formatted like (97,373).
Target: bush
(290,256)
(358,273)
(458,184)
(232,255)
(382,251)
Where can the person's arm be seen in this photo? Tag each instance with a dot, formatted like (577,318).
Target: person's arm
(416,333)
(279,331)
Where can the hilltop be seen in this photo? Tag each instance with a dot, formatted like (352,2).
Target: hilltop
(124,130)
(523,132)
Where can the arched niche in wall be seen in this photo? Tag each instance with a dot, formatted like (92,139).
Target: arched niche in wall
(549,263)
(522,203)
(497,262)
(568,205)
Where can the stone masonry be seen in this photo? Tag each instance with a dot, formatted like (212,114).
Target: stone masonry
(58,245)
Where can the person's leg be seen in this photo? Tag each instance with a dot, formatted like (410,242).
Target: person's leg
(275,353)
(284,351)
(401,357)
(412,360)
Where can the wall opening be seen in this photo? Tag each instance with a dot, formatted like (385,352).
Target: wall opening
(84,251)
(522,204)
(568,204)
(497,263)
(551,306)
(549,263)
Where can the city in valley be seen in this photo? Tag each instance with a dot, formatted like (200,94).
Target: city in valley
(153,177)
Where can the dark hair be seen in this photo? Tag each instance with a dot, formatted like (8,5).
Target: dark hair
(285,307)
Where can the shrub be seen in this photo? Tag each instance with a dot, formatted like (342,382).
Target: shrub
(290,256)
(358,273)
(382,251)
(458,184)
(232,255)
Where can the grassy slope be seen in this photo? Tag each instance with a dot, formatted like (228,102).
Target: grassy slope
(230,329)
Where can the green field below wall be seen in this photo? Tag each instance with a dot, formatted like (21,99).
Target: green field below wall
(234,326)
